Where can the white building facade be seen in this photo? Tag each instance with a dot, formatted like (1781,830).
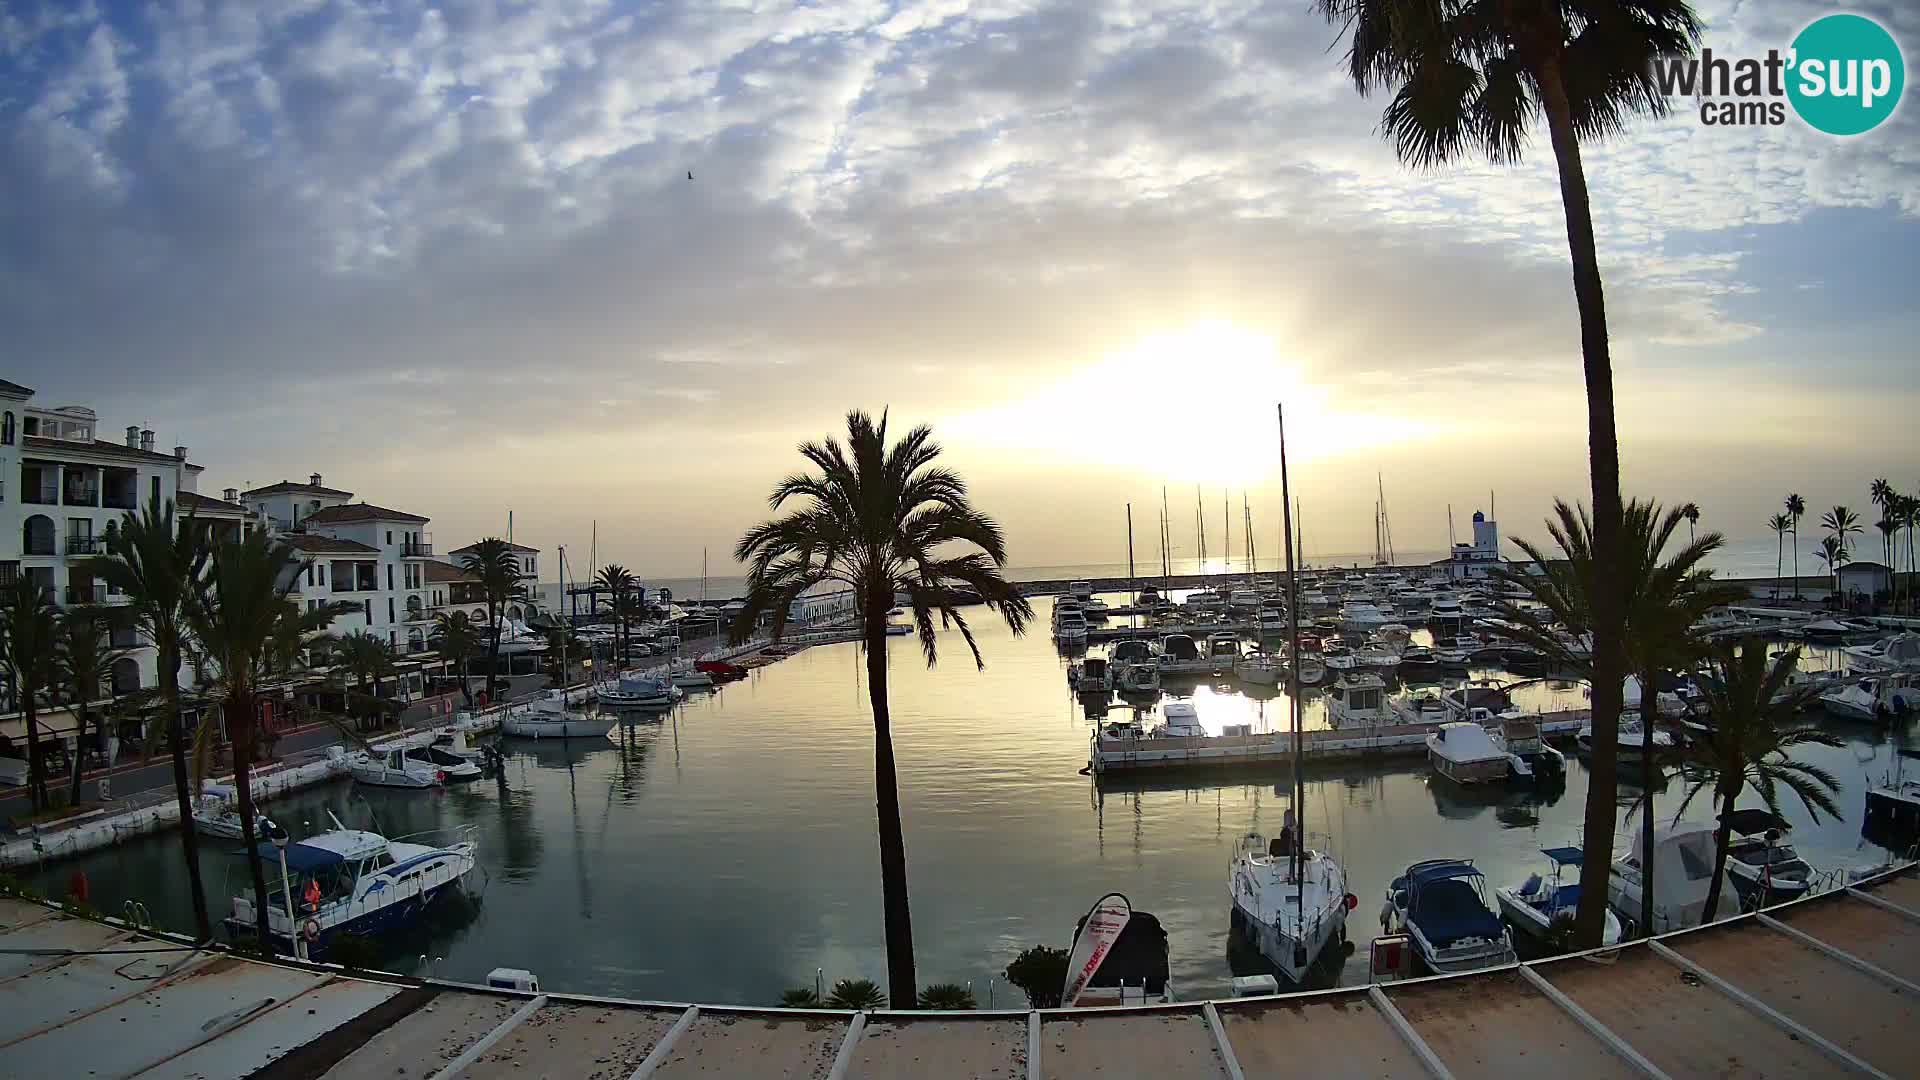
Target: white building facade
(1471,562)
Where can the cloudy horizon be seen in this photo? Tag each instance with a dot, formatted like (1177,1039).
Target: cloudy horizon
(451,257)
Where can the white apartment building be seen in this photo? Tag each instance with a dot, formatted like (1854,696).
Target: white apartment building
(60,488)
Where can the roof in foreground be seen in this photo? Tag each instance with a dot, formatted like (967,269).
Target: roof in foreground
(360,511)
(327,545)
(1815,987)
(440,573)
(104,449)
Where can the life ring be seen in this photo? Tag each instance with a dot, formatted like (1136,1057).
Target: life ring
(311,930)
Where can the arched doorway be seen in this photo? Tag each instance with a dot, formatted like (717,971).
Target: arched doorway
(126,676)
(37,536)
(416,641)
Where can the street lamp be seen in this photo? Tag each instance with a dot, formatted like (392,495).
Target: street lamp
(280,840)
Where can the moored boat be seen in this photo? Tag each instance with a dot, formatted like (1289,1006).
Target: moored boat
(1441,904)
(392,768)
(636,692)
(1541,901)
(216,812)
(1465,753)
(1291,899)
(549,718)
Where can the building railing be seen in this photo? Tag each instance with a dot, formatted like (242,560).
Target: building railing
(82,496)
(416,548)
(116,501)
(95,593)
(44,496)
(85,545)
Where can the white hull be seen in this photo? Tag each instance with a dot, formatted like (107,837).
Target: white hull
(1536,924)
(571,726)
(1273,917)
(616,700)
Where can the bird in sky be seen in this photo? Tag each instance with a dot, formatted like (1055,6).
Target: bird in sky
(689,174)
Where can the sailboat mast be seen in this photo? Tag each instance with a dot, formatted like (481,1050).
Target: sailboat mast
(1130,584)
(1200,527)
(1293,679)
(1166,553)
(1226,532)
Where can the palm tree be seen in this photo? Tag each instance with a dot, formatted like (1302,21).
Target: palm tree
(1796,506)
(1883,496)
(238,622)
(1888,529)
(881,520)
(1779,523)
(1909,511)
(856,994)
(368,659)
(27,643)
(1840,523)
(494,568)
(83,662)
(1832,555)
(618,582)
(457,642)
(1750,744)
(1691,511)
(159,564)
(1470,79)
(1662,597)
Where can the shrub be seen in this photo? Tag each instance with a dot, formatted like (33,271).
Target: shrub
(803,998)
(947,996)
(1040,973)
(856,994)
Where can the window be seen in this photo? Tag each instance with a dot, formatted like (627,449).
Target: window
(6,428)
(309,580)
(389,565)
(367,606)
(389,599)
(155,487)
(393,638)
(389,537)
(32,426)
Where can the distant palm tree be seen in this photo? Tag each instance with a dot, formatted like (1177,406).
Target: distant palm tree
(368,658)
(158,563)
(1796,506)
(1832,555)
(1909,517)
(1840,524)
(881,520)
(27,644)
(494,567)
(1663,596)
(238,623)
(1780,524)
(456,642)
(83,661)
(618,582)
(1471,84)
(1691,511)
(1749,744)
(1888,529)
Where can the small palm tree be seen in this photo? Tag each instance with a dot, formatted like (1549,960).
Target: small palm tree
(1909,511)
(1750,744)
(1841,523)
(1888,529)
(618,582)
(237,623)
(368,658)
(1883,496)
(1796,507)
(1691,511)
(27,644)
(83,661)
(860,994)
(1780,524)
(456,640)
(1831,554)
(881,520)
(948,997)
(802,998)
(493,565)
(159,564)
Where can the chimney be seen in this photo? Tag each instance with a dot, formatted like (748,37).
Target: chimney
(314,479)
(179,453)
(232,495)
(133,435)
(146,439)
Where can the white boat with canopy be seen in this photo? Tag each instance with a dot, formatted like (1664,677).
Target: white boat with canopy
(1543,900)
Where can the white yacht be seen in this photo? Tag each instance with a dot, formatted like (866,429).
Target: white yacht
(1223,652)
(1070,628)
(366,883)
(1634,739)
(1243,601)
(1358,699)
(1272,617)
(1178,720)
(1540,901)
(1889,653)
(216,812)
(631,691)
(1465,753)
(1091,676)
(1683,871)
(1258,667)
(1875,699)
(1205,598)
(1488,695)
(549,718)
(685,676)
(392,768)
(1096,610)
(1441,904)
(1291,899)
(452,767)
(1360,618)
(1080,590)
(1180,656)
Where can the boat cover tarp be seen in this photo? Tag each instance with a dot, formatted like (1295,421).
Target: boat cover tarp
(1451,910)
(301,858)
(1138,954)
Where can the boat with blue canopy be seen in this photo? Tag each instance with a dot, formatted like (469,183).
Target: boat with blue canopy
(1543,900)
(1441,905)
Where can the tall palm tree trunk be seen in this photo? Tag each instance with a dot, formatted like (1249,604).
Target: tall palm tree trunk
(902,992)
(1722,837)
(79,751)
(1779,557)
(1603,449)
(36,767)
(1796,559)
(183,795)
(239,710)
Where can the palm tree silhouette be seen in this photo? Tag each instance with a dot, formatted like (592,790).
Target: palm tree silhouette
(1796,506)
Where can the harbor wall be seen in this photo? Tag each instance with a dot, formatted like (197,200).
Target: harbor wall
(1383,740)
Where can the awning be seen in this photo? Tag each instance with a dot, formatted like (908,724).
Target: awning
(301,858)
(1565,856)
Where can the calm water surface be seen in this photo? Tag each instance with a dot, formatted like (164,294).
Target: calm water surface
(725,852)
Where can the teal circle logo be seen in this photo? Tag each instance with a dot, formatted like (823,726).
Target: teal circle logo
(1846,74)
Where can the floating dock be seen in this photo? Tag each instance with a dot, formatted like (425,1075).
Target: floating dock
(1108,754)
(1827,985)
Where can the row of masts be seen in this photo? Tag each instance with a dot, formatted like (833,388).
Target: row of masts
(1292,529)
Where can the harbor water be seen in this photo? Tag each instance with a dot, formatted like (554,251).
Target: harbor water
(726,851)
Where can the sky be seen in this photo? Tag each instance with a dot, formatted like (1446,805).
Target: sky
(449,256)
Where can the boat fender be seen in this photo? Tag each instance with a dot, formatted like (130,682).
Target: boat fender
(1352,901)
(311,930)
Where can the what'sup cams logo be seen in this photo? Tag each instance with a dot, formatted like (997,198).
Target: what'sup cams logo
(1842,75)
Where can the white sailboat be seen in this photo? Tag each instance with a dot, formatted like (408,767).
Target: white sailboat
(1291,898)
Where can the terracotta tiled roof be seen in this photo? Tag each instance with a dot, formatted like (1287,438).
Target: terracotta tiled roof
(441,573)
(327,545)
(110,449)
(201,504)
(352,512)
(510,547)
(286,487)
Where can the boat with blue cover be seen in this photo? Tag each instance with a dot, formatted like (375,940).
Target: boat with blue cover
(1441,905)
(1542,900)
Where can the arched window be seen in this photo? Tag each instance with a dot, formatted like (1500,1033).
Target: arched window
(6,428)
(126,676)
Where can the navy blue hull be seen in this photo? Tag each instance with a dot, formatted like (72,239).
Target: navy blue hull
(372,924)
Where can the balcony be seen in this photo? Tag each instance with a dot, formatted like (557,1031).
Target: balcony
(86,545)
(421,614)
(40,496)
(124,637)
(416,549)
(82,495)
(120,500)
(95,593)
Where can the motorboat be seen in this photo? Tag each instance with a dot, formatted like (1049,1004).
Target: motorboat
(216,812)
(1178,720)
(894,629)
(1310,669)
(453,740)
(1762,865)
(1096,610)
(1667,700)
(1258,667)
(1179,655)
(1243,600)
(1223,652)
(1893,802)
(1080,590)
(1358,699)
(1360,618)
(1874,699)
(1634,740)
(1828,630)
(1205,598)
(1424,708)
(1529,757)
(365,884)
(1465,753)
(549,718)
(1376,656)
(1418,661)
(1454,650)
(453,768)
(1119,956)
(392,768)
(1138,677)
(1542,901)
(1148,597)
(1393,635)
(1889,653)
(1070,628)
(686,676)
(632,691)
(1092,676)
(1338,656)
(1442,906)
(1272,617)
(1682,873)
(721,670)
(1290,898)
(1488,695)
